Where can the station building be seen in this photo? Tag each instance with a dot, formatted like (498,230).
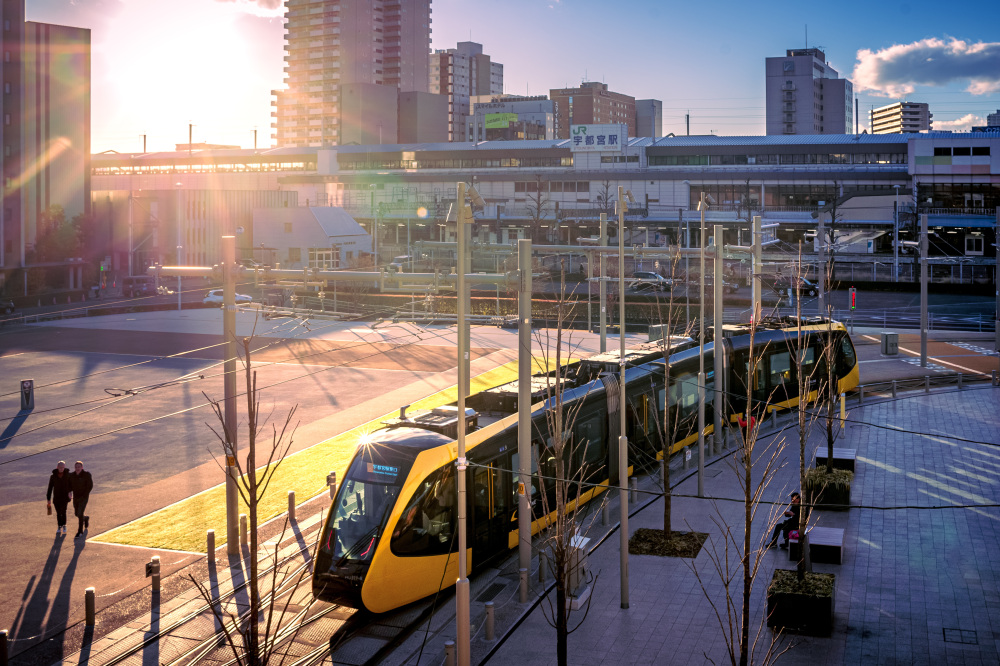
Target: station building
(547,191)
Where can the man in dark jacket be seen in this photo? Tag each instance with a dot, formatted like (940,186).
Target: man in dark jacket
(81,483)
(58,492)
(790,523)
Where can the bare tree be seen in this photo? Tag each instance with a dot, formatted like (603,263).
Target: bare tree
(538,209)
(737,560)
(556,463)
(244,634)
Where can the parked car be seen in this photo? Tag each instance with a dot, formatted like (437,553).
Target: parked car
(649,279)
(7,306)
(138,285)
(727,287)
(802,286)
(215,296)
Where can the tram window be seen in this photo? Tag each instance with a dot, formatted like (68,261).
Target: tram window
(780,369)
(363,505)
(427,525)
(590,443)
(847,358)
(807,359)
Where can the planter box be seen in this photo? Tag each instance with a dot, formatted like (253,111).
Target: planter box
(834,499)
(800,613)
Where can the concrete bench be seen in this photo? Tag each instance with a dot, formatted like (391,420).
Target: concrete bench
(826,545)
(842,458)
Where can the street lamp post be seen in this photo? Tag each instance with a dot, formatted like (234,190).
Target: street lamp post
(180,218)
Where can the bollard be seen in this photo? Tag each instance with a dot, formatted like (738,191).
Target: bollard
(89,603)
(604,512)
(774,419)
(155,567)
(331,480)
(210,545)
(541,566)
(3,647)
(449,653)
(522,575)
(633,485)
(843,409)
(893,389)
(927,384)
(960,387)
(291,506)
(489,621)
(243,530)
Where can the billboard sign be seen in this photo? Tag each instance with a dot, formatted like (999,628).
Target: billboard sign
(500,120)
(598,138)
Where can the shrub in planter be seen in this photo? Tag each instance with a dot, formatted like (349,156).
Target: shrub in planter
(804,607)
(829,491)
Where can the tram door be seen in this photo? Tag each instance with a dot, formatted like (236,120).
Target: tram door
(491,498)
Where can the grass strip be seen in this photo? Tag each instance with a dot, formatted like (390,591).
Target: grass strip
(182,526)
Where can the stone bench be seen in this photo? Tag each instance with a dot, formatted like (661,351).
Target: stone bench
(826,545)
(842,458)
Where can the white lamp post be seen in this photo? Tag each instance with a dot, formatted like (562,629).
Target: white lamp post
(895,238)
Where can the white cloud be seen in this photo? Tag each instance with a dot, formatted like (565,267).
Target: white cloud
(963,124)
(896,71)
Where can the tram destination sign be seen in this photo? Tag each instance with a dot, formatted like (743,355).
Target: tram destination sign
(610,138)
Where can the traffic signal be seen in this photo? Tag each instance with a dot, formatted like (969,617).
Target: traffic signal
(854,298)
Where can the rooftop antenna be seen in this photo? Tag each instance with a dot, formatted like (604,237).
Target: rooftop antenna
(807,35)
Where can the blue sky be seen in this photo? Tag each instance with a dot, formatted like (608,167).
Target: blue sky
(158,65)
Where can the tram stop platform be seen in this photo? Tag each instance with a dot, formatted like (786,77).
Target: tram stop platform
(919,581)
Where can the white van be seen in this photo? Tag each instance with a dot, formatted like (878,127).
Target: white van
(402,264)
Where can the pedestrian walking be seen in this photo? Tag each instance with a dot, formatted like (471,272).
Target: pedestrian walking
(58,493)
(81,483)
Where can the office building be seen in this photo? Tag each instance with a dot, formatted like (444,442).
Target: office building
(46,125)
(332,44)
(460,74)
(993,119)
(901,118)
(804,95)
(649,117)
(592,104)
(511,118)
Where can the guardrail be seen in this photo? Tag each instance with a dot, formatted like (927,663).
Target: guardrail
(890,390)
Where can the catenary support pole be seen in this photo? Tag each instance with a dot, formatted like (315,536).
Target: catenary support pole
(923,290)
(758,266)
(622,406)
(462,602)
(821,269)
(524,413)
(719,398)
(602,293)
(229,388)
(702,205)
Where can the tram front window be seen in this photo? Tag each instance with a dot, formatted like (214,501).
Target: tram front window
(363,506)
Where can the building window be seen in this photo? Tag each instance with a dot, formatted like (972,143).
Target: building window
(963,151)
(980,151)
(974,245)
(288,227)
(942,152)
(295,255)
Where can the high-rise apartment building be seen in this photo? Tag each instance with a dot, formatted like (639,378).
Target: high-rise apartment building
(460,74)
(804,95)
(44,130)
(332,43)
(901,118)
(592,104)
(648,117)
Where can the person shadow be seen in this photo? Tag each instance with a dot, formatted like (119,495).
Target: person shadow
(59,613)
(11,430)
(30,621)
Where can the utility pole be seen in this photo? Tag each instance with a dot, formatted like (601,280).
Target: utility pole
(602,293)
(895,237)
(702,205)
(229,385)
(463,634)
(757,266)
(821,269)
(622,405)
(719,398)
(524,414)
(923,290)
